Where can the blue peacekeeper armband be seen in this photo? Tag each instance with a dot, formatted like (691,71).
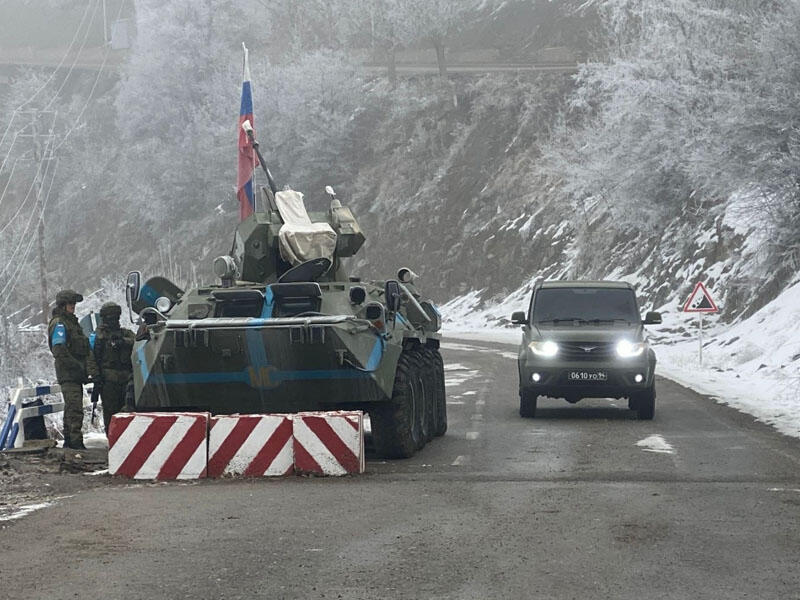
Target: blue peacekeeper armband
(92,337)
(59,335)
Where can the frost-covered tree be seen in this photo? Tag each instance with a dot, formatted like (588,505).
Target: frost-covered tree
(646,120)
(434,22)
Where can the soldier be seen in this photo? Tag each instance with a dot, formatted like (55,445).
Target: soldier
(110,363)
(70,349)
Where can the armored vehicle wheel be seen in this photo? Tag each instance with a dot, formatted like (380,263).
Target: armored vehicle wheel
(645,403)
(426,386)
(439,394)
(397,424)
(527,404)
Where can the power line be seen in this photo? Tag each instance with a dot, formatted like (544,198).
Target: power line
(30,220)
(10,176)
(94,85)
(77,56)
(12,282)
(8,127)
(10,148)
(63,58)
(30,189)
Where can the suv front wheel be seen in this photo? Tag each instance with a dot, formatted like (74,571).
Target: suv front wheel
(527,404)
(644,403)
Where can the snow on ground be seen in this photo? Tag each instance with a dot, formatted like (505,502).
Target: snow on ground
(752,365)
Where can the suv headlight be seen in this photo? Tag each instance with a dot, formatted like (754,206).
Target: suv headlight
(627,349)
(547,348)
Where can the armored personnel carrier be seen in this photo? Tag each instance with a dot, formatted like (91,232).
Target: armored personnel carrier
(286,329)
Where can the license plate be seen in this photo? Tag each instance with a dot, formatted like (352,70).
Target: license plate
(588,376)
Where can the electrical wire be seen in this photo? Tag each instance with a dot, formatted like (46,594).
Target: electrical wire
(8,127)
(10,148)
(63,58)
(77,56)
(30,189)
(10,177)
(12,282)
(94,85)
(31,222)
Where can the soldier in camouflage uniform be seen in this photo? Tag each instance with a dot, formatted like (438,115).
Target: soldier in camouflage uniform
(70,348)
(110,361)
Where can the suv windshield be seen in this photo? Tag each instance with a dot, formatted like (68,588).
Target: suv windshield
(600,305)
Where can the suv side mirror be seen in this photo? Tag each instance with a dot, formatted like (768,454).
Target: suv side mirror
(133,285)
(519,318)
(652,318)
(393,296)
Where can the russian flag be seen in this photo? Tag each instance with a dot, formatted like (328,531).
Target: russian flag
(248,160)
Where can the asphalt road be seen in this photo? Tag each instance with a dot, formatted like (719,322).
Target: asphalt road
(566,505)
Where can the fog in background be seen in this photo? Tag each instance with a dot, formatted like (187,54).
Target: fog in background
(481,143)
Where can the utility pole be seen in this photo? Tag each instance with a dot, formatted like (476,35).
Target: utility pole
(42,152)
(38,156)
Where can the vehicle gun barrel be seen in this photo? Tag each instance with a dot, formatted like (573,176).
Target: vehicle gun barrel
(248,129)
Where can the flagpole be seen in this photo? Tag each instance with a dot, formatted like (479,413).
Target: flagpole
(245,65)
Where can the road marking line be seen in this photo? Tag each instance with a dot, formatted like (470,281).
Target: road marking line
(460,460)
(480,402)
(476,417)
(473,435)
(456,402)
(656,443)
(795,490)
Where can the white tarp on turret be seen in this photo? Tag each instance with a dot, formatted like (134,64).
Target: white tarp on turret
(300,239)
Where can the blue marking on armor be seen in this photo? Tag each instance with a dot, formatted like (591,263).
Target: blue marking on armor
(148,295)
(143,364)
(42,390)
(400,318)
(256,351)
(376,355)
(92,337)
(269,301)
(436,309)
(45,410)
(244,376)
(59,335)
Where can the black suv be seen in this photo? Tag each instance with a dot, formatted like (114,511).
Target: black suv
(585,339)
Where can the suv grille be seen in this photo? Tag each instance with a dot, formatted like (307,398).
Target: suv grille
(587,351)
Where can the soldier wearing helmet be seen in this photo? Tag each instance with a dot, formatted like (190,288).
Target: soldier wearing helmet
(110,361)
(70,348)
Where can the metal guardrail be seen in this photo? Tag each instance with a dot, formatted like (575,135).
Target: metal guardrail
(12,434)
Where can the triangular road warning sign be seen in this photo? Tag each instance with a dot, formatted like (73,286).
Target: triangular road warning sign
(700,301)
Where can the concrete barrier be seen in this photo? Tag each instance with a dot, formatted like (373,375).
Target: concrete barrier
(329,443)
(250,446)
(158,445)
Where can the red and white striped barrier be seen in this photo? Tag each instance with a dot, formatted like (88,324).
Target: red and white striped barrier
(329,443)
(250,446)
(158,445)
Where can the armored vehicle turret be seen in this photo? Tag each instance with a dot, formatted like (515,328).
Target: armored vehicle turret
(286,329)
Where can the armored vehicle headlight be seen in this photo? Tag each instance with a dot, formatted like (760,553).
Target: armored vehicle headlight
(546,348)
(225,267)
(163,304)
(627,349)
(406,275)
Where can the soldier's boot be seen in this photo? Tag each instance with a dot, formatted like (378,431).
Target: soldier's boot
(73,415)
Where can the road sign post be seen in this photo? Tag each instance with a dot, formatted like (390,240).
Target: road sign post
(700,302)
